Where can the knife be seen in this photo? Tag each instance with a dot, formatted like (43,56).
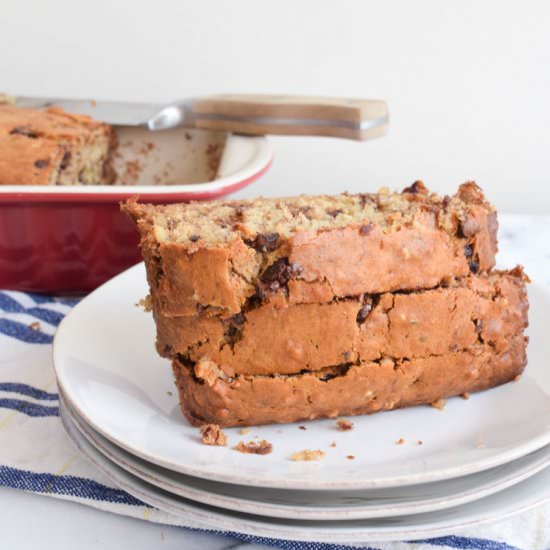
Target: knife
(357,119)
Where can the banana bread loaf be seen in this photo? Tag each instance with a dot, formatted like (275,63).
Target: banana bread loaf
(53,147)
(279,310)
(486,308)
(216,257)
(345,389)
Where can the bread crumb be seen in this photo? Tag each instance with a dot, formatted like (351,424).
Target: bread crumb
(35,325)
(169,393)
(400,441)
(344,425)
(307,455)
(302,428)
(244,431)
(420,442)
(465,395)
(517,378)
(262,447)
(439,404)
(333,444)
(350,457)
(212,435)
(146,303)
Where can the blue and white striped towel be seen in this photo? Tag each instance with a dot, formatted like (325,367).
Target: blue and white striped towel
(36,455)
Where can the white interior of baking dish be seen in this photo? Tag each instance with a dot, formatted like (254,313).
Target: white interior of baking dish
(172,161)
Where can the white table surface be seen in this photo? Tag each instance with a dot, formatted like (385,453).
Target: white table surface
(25,517)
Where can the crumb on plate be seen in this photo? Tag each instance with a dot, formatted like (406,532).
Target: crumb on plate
(350,457)
(307,455)
(465,395)
(35,325)
(344,425)
(212,435)
(302,428)
(400,441)
(244,431)
(262,447)
(333,444)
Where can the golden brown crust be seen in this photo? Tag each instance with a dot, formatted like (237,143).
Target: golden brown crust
(290,339)
(440,239)
(37,146)
(365,388)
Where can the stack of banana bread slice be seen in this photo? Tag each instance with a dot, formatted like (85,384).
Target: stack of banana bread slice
(278,310)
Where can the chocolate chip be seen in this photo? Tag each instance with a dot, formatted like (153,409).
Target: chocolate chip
(265,242)
(41,163)
(468,251)
(334,212)
(278,272)
(24,131)
(238,319)
(366,229)
(65,161)
(194,238)
(275,278)
(474,266)
(417,187)
(364,313)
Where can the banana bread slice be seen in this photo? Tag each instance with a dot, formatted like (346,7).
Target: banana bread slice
(345,389)
(52,147)
(289,339)
(217,257)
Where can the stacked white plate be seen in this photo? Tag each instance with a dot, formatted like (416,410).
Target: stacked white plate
(407,474)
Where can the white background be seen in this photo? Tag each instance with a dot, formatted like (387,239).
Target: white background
(467,82)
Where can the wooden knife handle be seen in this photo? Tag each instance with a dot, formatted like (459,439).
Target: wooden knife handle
(358,119)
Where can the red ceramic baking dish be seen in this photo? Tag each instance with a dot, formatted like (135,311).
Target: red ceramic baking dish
(66,240)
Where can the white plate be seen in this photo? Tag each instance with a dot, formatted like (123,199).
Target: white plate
(523,496)
(110,374)
(320,505)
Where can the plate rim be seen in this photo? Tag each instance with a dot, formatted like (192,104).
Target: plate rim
(413,507)
(277,482)
(147,493)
